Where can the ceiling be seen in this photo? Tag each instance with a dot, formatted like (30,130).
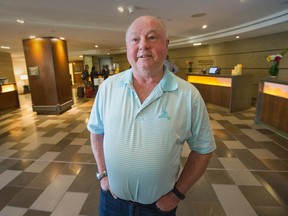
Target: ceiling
(86,23)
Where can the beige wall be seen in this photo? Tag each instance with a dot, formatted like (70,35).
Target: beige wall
(12,69)
(251,53)
(122,61)
(20,69)
(6,66)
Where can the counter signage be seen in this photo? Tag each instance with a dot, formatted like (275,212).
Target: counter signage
(206,62)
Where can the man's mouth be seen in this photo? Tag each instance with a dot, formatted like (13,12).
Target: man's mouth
(144,56)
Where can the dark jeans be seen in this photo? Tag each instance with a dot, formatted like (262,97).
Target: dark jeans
(109,206)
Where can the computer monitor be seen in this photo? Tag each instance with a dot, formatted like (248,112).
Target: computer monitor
(214,70)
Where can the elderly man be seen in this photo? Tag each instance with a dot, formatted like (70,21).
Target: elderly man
(139,122)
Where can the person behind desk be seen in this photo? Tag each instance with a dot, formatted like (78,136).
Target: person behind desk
(171,66)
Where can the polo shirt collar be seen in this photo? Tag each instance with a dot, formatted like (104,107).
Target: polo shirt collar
(167,83)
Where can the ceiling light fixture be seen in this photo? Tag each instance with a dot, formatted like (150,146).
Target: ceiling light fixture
(198,15)
(4,47)
(197,44)
(20,21)
(96,46)
(120,9)
(237,37)
(131,9)
(204,26)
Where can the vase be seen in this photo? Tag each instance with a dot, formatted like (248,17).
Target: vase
(274,69)
(273,77)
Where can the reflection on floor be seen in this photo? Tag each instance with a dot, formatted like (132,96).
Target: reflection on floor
(47,168)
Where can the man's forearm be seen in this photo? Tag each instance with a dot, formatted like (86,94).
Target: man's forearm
(194,168)
(98,152)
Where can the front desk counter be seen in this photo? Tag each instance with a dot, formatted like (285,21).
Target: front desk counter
(8,97)
(272,104)
(232,92)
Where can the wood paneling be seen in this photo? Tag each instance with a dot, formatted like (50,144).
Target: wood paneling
(215,94)
(236,98)
(272,109)
(77,71)
(78,78)
(52,87)
(9,100)
(275,112)
(61,70)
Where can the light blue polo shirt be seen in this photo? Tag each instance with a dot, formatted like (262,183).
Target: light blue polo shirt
(143,142)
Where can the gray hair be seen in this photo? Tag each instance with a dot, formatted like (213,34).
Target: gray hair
(150,17)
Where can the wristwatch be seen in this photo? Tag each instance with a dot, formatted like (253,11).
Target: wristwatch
(101,175)
(178,193)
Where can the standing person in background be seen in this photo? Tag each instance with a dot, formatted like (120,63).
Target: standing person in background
(93,74)
(171,67)
(85,75)
(105,71)
(138,125)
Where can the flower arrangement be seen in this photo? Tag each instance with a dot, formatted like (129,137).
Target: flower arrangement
(189,62)
(274,61)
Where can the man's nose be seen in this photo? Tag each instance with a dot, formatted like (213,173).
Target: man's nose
(143,44)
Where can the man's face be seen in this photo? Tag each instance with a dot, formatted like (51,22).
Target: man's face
(147,44)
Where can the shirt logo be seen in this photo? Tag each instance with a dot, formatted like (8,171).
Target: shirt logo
(164,114)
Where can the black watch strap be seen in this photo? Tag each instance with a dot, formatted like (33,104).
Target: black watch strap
(178,193)
(101,175)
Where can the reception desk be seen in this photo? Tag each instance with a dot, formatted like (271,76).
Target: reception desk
(272,104)
(8,97)
(232,92)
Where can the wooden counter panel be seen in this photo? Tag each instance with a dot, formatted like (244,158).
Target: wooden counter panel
(233,92)
(9,100)
(275,112)
(217,95)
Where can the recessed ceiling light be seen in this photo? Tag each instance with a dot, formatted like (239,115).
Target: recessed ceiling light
(108,53)
(120,9)
(204,26)
(4,47)
(81,56)
(237,37)
(96,46)
(20,21)
(131,9)
(197,44)
(198,15)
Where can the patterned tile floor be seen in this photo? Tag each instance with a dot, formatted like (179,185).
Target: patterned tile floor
(47,167)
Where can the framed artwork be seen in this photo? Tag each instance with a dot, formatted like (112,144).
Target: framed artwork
(33,71)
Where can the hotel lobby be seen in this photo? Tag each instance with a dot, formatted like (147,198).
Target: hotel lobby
(47,166)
